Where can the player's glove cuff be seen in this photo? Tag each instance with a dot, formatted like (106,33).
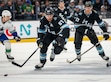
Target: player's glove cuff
(39,43)
(17,38)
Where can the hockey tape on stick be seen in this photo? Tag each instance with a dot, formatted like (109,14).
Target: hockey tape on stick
(14,63)
(84,52)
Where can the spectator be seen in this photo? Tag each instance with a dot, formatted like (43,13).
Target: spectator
(37,9)
(103,12)
(77,9)
(107,3)
(108,8)
(2,7)
(29,1)
(72,6)
(19,10)
(10,7)
(28,11)
(47,4)
(81,4)
(97,6)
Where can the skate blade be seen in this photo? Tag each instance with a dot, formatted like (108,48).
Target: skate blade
(37,69)
(108,64)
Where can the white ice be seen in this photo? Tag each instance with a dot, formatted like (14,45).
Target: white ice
(92,68)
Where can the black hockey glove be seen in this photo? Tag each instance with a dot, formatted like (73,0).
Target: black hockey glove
(39,43)
(60,41)
(106,36)
(17,38)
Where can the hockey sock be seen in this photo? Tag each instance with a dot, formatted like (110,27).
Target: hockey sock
(8,51)
(100,49)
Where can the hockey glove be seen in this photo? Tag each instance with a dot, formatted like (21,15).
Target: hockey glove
(39,43)
(106,36)
(17,38)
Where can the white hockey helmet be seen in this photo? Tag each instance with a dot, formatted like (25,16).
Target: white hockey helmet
(6,13)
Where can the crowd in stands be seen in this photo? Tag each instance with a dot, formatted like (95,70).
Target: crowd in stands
(34,9)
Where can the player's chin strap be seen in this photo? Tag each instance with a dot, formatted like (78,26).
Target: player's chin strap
(85,51)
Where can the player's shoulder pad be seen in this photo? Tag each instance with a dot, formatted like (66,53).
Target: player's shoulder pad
(8,24)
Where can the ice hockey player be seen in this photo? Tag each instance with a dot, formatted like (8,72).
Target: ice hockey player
(64,13)
(5,23)
(51,28)
(84,21)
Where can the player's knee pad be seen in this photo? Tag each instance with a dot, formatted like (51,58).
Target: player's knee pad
(59,45)
(7,44)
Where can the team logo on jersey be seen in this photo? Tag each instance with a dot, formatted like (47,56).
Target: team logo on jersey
(8,33)
(65,12)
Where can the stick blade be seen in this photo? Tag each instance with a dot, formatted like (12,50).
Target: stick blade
(69,61)
(14,63)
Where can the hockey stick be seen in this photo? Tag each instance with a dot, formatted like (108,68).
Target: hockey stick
(84,52)
(14,63)
(87,25)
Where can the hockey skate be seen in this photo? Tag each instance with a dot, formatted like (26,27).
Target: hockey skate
(79,57)
(10,58)
(52,56)
(41,64)
(105,57)
(65,48)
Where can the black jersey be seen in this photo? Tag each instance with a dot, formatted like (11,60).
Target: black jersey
(64,14)
(54,27)
(82,19)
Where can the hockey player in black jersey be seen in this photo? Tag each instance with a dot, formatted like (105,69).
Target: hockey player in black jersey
(84,21)
(51,28)
(64,13)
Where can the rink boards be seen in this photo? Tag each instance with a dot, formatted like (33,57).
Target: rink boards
(27,30)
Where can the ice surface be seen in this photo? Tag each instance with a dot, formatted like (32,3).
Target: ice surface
(92,67)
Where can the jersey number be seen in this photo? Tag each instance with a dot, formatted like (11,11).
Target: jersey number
(60,22)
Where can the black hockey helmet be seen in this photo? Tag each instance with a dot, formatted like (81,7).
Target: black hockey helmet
(60,1)
(88,4)
(49,11)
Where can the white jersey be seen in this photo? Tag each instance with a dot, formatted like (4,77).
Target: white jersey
(7,25)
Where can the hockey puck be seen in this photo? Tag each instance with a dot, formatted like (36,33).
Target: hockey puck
(5,75)
(108,64)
